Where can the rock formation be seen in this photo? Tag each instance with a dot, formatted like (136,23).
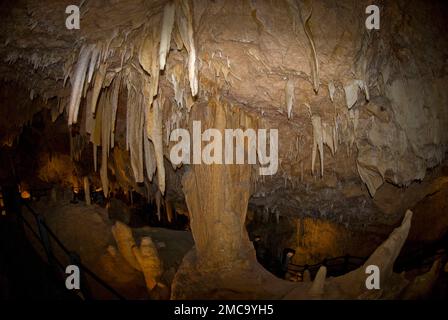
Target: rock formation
(95,108)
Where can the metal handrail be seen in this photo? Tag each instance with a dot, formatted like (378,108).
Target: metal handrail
(346,263)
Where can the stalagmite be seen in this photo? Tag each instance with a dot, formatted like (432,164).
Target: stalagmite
(87,190)
(318,143)
(422,284)
(125,242)
(165,39)
(149,261)
(144,258)
(352,284)
(134,68)
(289,93)
(385,255)
(317,288)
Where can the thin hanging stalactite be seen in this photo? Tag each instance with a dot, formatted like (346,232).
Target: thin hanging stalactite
(78,83)
(165,38)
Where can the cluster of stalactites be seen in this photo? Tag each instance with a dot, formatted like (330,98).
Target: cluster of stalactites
(93,78)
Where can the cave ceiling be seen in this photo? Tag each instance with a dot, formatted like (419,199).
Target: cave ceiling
(377,97)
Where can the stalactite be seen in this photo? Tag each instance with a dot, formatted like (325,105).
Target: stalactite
(317,143)
(177,38)
(149,60)
(159,205)
(106,123)
(93,63)
(331,90)
(328,137)
(165,39)
(265,215)
(114,106)
(167,132)
(354,117)
(372,179)
(145,55)
(289,94)
(314,53)
(87,190)
(99,79)
(169,211)
(154,132)
(95,157)
(175,79)
(128,113)
(297,11)
(78,83)
(185,27)
(155,71)
(335,134)
(351,94)
(135,121)
(150,160)
(55,111)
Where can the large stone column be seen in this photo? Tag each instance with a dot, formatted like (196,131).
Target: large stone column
(223,262)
